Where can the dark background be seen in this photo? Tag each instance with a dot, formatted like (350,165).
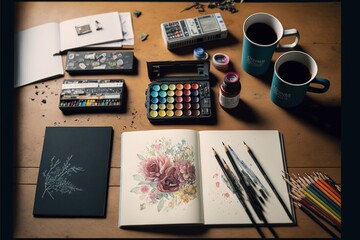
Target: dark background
(350,113)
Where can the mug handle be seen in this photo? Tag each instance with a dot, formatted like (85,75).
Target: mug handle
(287,33)
(321,81)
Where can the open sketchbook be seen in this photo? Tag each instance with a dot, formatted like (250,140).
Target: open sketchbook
(172,177)
(37,49)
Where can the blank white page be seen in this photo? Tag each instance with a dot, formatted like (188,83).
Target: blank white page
(34,50)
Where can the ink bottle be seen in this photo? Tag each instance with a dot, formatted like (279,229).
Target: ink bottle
(229,94)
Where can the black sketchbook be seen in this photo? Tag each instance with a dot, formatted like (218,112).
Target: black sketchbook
(74,172)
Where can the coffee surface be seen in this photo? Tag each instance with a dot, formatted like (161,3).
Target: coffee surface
(261,33)
(294,72)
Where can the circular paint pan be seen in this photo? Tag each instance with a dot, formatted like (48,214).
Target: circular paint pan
(170,106)
(162,113)
(153,113)
(196,113)
(154,94)
(178,113)
(172,87)
(170,99)
(178,99)
(194,92)
(154,100)
(179,105)
(164,87)
(179,86)
(187,105)
(179,93)
(170,93)
(187,86)
(162,94)
(187,112)
(195,106)
(162,100)
(156,87)
(153,106)
(169,113)
(195,86)
(162,106)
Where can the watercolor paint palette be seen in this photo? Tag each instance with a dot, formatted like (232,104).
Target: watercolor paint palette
(104,95)
(96,62)
(180,91)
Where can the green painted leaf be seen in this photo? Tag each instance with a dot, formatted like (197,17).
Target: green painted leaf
(135,190)
(141,157)
(138,177)
(160,205)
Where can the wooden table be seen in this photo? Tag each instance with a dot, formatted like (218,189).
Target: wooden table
(311,132)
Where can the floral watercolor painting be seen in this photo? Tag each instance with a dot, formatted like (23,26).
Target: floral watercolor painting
(166,175)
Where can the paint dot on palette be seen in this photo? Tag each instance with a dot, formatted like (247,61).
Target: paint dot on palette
(162,94)
(162,113)
(179,93)
(194,86)
(153,113)
(178,99)
(179,86)
(170,106)
(170,99)
(154,94)
(162,106)
(178,105)
(172,87)
(156,87)
(164,87)
(187,86)
(153,106)
(170,93)
(178,113)
(170,113)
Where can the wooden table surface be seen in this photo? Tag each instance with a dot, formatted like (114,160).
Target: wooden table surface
(312,132)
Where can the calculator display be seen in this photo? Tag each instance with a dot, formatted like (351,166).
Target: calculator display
(208,24)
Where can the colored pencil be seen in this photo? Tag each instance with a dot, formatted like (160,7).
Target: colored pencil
(232,182)
(304,193)
(268,181)
(316,200)
(319,212)
(310,214)
(325,191)
(321,197)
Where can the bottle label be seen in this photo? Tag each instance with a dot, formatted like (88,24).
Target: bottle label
(229,102)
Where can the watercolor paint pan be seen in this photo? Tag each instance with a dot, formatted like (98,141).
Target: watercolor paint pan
(179,92)
(102,95)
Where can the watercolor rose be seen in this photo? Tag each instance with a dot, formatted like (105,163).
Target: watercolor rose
(166,176)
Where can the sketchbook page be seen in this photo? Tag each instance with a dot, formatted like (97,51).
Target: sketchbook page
(127,28)
(221,206)
(94,29)
(128,33)
(160,178)
(34,50)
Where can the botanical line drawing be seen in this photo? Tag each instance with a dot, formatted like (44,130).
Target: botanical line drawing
(166,175)
(56,177)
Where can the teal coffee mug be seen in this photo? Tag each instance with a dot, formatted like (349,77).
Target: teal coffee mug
(294,71)
(262,34)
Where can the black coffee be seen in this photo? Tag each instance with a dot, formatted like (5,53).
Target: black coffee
(294,72)
(261,33)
